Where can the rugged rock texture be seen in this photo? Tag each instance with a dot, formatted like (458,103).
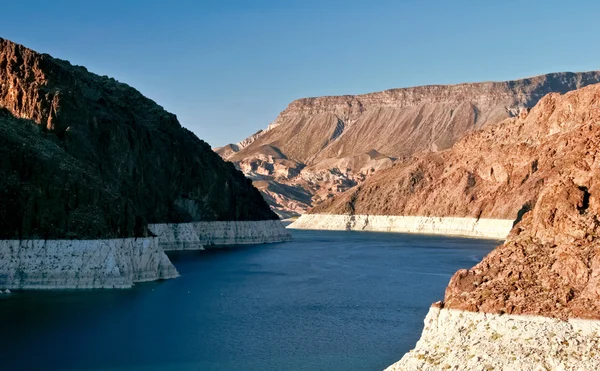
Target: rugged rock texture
(448,226)
(547,161)
(86,163)
(549,265)
(496,172)
(195,236)
(82,264)
(93,158)
(46,193)
(327,145)
(458,340)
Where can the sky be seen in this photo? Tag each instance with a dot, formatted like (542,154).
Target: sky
(227,68)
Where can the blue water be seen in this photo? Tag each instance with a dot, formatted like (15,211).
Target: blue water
(327,301)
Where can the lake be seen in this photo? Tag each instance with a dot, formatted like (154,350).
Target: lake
(326,301)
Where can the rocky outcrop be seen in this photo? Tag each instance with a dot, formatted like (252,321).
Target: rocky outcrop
(82,264)
(549,265)
(448,226)
(86,159)
(496,172)
(231,149)
(197,236)
(327,145)
(459,340)
(148,168)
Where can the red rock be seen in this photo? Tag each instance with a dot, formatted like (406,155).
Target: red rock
(320,147)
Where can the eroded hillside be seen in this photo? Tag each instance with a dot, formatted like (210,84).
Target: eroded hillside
(319,147)
(497,172)
(84,156)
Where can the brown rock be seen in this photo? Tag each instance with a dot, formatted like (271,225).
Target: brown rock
(90,157)
(328,143)
(543,170)
(496,172)
(548,265)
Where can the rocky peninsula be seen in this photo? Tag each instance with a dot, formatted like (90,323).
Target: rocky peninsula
(88,164)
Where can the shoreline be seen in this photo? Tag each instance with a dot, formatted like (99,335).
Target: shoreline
(457,339)
(82,264)
(196,235)
(496,229)
(120,263)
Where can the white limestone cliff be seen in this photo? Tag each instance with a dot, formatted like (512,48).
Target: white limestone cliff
(461,340)
(82,264)
(450,226)
(119,263)
(196,235)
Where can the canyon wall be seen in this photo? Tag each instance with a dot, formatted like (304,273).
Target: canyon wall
(148,168)
(82,264)
(85,159)
(195,236)
(319,147)
(534,301)
(496,172)
(458,340)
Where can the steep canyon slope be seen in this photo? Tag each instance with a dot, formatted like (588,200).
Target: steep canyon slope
(533,302)
(96,179)
(497,172)
(319,147)
(86,156)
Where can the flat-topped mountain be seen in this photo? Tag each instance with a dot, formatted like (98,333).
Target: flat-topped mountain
(85,156)
(495,172)
(321,146)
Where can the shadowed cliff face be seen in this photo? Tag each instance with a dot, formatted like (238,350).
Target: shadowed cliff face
(325,145)
(124,161)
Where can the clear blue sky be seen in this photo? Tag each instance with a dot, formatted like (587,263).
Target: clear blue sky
(227,68)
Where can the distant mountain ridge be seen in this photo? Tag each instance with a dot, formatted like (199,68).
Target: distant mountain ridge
(497,172)
(311,146)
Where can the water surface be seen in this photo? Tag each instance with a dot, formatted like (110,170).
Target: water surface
(327,301)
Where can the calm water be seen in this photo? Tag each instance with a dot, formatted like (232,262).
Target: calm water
(327,301)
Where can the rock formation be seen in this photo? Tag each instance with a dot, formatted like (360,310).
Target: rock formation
(496,172)
(319,147)
(195,236)
(82,264)
(459,340)
(496,229)
(85,157)
(533,302)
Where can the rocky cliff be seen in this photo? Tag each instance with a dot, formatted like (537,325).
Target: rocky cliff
(82,264)
(155,170)
(319,147)
(533,302)
(86,157)
(198,235)
(496,229)
(496,172)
